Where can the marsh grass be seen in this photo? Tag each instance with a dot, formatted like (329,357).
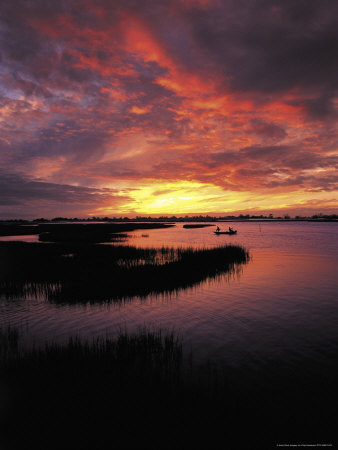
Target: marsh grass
(89,272)
(131,391)
(138,392)
(9,342)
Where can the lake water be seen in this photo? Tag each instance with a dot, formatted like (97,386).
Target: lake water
(280,306)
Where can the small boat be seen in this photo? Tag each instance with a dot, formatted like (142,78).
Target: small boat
(226,232)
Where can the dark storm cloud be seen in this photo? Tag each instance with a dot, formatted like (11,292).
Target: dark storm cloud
(289,156)
(267,130)
(277,155)
(15,189)
(273,46)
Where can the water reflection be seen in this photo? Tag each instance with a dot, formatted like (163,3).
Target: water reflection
(281,307)
(21,238)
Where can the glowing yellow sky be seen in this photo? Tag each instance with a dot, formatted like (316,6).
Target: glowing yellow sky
(185,197)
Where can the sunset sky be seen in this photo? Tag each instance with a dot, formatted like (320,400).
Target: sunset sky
(152,107)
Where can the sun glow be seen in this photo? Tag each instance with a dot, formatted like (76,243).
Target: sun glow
(153,197)
(178,197)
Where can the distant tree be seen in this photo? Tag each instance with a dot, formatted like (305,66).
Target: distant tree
(58,219)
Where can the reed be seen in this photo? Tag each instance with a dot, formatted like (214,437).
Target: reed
(89,273)
(9,342)
(136,392)
(131,389)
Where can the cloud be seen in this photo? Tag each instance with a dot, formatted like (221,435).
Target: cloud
(267,130)
(271,46)
(21,196)
(241,94)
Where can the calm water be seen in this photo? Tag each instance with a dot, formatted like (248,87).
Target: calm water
(281,306)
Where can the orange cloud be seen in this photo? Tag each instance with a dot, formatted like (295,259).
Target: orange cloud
(137,110)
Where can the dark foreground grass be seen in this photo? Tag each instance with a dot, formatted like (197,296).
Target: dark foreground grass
(130,391)
(89,273)
(135,392)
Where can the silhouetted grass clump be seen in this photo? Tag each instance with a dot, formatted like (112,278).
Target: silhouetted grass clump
(9,342)
(76,272)
(130,390)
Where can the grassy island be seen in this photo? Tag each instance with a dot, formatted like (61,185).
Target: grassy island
(76,272)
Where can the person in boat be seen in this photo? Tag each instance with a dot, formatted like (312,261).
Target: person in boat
(218,229)
(231,230)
